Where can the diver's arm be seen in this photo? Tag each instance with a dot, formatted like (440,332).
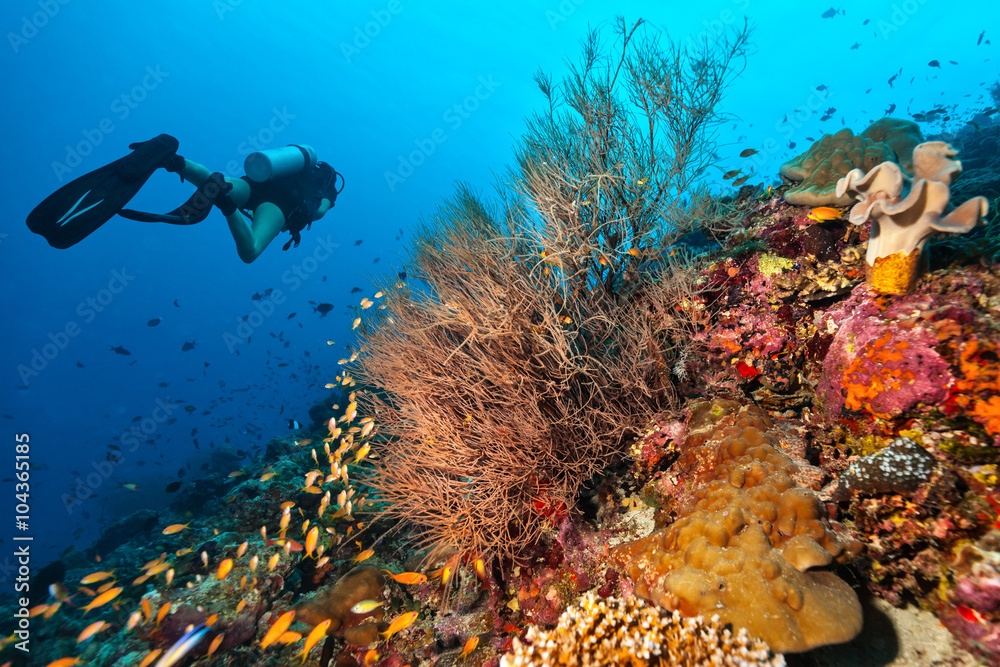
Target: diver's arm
(324,206)
(251,240)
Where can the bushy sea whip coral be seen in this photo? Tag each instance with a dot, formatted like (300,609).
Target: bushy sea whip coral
(533,349)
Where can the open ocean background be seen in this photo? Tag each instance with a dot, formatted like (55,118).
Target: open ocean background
(369,85)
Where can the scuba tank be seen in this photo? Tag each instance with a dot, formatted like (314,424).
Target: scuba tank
(276,162)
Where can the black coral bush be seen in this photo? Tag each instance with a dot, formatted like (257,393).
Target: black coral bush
(532,339)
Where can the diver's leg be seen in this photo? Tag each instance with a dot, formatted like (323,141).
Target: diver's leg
(268,220)
(198,175)
(194,172)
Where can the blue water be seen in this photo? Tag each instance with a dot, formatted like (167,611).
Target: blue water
(370,85)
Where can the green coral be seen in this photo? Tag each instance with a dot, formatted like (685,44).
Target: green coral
(773,265)
(969,453)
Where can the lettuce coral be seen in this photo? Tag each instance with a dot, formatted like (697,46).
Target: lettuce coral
(901,225)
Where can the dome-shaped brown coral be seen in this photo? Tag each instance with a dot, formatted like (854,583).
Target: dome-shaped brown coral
(748,538)
(834,155)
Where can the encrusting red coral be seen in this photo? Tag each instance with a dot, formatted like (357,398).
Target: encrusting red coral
(880,365)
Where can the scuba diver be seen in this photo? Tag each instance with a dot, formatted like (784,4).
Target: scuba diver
(285,189)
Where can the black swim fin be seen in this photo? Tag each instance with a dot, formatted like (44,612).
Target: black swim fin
(213,192)
(76,209)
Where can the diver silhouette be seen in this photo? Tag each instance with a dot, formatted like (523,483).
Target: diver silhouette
(285,189)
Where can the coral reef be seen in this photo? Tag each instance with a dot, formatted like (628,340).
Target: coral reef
(508,380)
(834,155)
(931,349)
(592,434)
(748,536)
(901,225)
(631,633)
(973,614)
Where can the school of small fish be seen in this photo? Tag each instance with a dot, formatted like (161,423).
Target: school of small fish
(348,444)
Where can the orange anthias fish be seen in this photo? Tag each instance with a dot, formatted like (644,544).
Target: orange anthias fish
(277,629)
(103,598)
(175,528)
(311,539)
(318,632)
(470,646)
(92,630)
(97,576)
(214,646)
(148,660)
(823,213)
(294,546)
(65,662)
(399,623)
(364,555)
(408,578)
(224,568)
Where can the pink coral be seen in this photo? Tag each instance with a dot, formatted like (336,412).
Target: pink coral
(880,365)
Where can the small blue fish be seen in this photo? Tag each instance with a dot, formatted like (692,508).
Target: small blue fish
(183,646)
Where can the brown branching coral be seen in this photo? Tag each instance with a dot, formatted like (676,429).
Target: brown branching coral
(501,397)
(535,341)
